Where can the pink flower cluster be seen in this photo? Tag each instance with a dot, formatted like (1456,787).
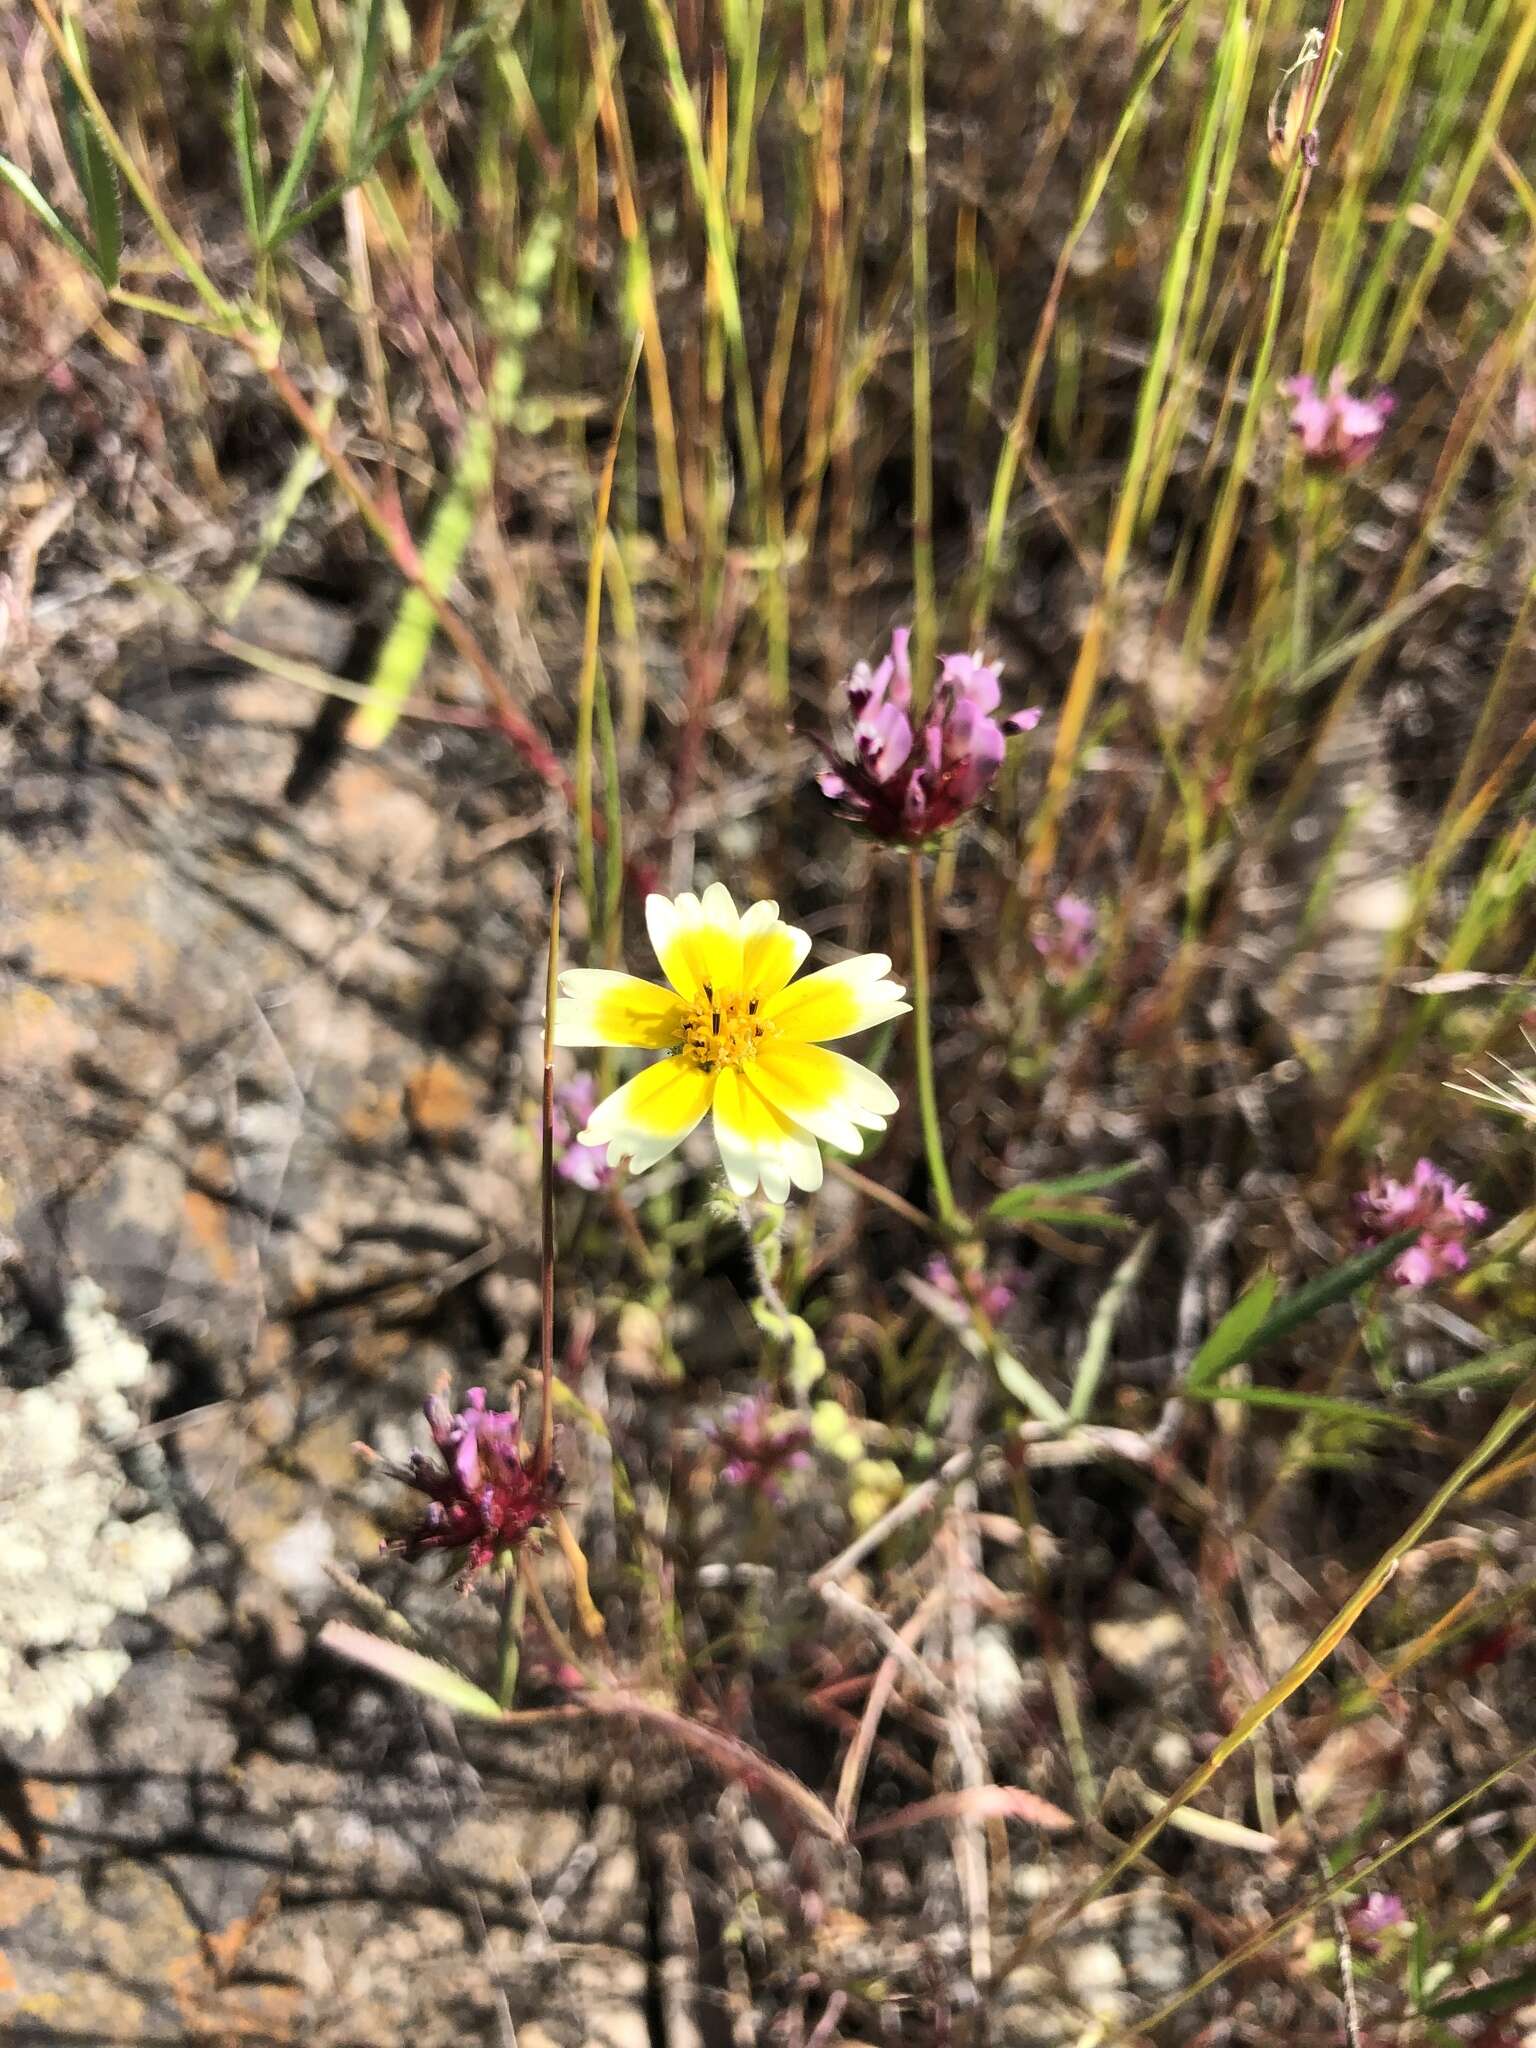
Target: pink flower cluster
(584,1166)
(1375,1915)
(904,784)
(485,1497)
(993,1293)
(1431,1203)
(760,1444)
(1065,939)
(1337,431)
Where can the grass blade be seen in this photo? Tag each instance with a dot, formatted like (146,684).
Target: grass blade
(95,170)
(14,176)
(298,164)
(423,1675)
(245,124)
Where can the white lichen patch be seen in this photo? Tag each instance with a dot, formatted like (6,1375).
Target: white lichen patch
(71,1562)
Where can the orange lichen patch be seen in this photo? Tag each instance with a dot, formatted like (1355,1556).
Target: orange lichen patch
(374,1117)
(34,1031)
(206,1221)
(84,921)
(378,815)
(7,1974)
(21,1893)
(439,1098)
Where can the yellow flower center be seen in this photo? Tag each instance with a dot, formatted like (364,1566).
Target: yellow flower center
(722,1030)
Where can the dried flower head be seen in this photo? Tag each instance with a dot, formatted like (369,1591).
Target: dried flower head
(1296,105)
(904,784)
(1064,937)
(760,1444)
(583,1167)
(1337,431)
(487,1496)
(1431,1203)
(743,1039)
(1517,1094)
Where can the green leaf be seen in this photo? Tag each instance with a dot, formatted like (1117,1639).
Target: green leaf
(1233,1335)
(1325,1405)
(245,124)
(1236,1338)
(95,170)
(1030,1195)
(1337,1284)
(14,176)
(1488,1371)
(1501,1996)
(303,155)
(423,1675)
(1086,1216)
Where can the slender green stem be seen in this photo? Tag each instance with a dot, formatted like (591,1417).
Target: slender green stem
(933,1142)
(509,1649)
(546,1450)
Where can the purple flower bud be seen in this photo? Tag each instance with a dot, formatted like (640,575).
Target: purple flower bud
(1430,1202)
(905,785)
(1337,431)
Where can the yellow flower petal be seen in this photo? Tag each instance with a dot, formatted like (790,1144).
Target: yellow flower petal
(771,951)
(644,1119)
(830,1095)
(598,1007)
(696,942)
(760,1145)
(837,1000)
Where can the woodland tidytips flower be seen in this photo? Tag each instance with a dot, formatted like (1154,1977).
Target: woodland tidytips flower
(904,784)
(742,1039)
(487,1496)
(1430,1202)
(1336,430)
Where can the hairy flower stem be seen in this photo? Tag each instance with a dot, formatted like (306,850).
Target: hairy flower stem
(933,1143)
(514,1604)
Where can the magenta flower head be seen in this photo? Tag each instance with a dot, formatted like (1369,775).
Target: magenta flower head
(1337,431)
(1065,939)
(993,1293)
(584,1166)
(760,1444)
(1430,1202)
(1376,1913)
(904,783)
(486,1497)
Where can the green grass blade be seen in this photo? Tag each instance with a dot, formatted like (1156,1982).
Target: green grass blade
(298,164)
(1337,1284)
(1032,1194)
(14,176)
(95,170)
(245,125)
(424,1675)
(400,659)
(370,42)
(1328,1406)
(1233,1336)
